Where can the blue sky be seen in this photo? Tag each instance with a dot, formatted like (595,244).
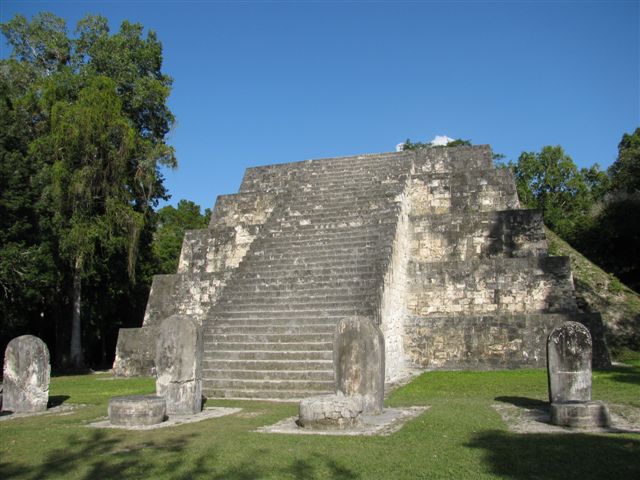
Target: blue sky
(268,82)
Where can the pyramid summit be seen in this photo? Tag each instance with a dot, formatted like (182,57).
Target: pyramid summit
(431,244)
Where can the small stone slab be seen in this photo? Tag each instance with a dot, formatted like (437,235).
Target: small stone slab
(569,351)
(137,410)
(331,411)
(358,360)
(389,421)
(26,373)
(580,414)
(179,364)
(174,420)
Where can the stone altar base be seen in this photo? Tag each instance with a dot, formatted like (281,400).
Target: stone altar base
(389,421)
(580,414)
(137,410)
(535,418)
(331,411)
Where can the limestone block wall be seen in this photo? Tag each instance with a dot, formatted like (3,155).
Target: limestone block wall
(393,296)
(448,237)
(480,342)
(515,285)
(466,191)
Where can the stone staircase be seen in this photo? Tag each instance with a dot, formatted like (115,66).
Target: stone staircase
(319,259)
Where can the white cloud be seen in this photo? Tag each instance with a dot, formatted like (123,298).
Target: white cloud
(400,147)
(441,140)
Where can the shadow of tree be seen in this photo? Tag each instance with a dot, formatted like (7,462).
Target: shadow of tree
(559,456)
(625,374)
(110,455)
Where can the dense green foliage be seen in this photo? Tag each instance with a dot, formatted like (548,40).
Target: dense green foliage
(172,223)
(83,132)
(597,212)
(409,145)
(461,436)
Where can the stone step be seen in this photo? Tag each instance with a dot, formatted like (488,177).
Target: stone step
(299,271)
(222,344)
(266,375)
(269,355)
(292,296)
(300,282)
(258,303)
(289,365)
(308,289)
(262,394)
(290,306)
(312,256)
(223,314)
(272,247)
(342,227)
(278,240)
(277,385)
(258,328)
(211,322)
(303,262)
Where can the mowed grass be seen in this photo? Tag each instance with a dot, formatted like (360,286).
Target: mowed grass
(459,437)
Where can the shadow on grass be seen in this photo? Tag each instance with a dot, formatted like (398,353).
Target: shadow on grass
(559,456)
(624,374)
(524,402)
(111,456)
(57,400)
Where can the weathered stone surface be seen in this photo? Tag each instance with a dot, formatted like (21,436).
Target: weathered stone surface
(331,411)
(26,375)
(135,352)
(569,350)
(137,410)
(580,414)
(179,364)
(358,358)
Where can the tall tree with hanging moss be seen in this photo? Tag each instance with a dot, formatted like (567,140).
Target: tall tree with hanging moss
(95,109)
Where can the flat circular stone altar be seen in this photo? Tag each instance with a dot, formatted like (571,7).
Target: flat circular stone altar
(137,410)
(331,411)
(589,414)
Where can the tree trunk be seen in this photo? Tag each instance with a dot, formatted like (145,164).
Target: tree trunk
(76,325)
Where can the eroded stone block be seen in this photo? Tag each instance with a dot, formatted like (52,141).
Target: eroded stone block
(580,414)
(179,364)
(331,411)
(569,348)
(137,410)
(26,375)
(358,358)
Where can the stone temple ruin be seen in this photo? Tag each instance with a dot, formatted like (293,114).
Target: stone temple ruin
(431,245)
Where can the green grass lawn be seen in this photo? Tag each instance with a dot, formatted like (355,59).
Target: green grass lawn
(459,437)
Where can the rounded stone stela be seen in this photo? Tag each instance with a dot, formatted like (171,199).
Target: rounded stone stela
(137,410)
(591,414)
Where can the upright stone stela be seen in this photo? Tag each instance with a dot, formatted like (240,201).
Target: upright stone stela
(431,244)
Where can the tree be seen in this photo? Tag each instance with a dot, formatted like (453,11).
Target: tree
(625,171)
(550,181)
(94,118)
(172,223)
(409,145)
(613,236)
